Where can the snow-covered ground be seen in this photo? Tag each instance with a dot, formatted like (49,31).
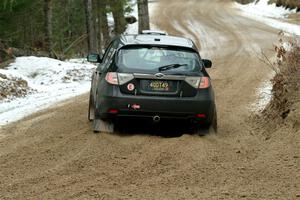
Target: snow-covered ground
(270,14)
(49,81)
(263,8)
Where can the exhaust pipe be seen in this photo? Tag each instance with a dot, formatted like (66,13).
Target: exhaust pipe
(156,119)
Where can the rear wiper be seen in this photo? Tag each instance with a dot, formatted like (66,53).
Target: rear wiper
(171,66)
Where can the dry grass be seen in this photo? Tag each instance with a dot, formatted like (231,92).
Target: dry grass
(285,104)
(6,63)
(292,4)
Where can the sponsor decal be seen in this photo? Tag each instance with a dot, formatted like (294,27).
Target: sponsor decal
(134,106)
(130,87)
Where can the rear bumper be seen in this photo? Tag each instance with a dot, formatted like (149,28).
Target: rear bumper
(150,106)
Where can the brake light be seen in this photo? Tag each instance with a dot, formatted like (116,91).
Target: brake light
(112,78)
(201,115)
(204,83)
(115,78)
(113,111)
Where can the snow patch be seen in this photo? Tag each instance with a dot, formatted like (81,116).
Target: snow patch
(263,8)
(264,93)
(270,14)
(48,81)
(287,46)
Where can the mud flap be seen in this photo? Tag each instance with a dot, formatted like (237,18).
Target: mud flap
(91,112)
(203,131)
(100,125)
(91,109)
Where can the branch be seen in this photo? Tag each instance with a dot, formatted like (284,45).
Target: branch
(267,61)
(75,42)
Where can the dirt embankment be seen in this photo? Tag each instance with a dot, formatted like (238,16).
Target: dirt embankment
(244,1)
(279,123)
(292,4)
(284,108)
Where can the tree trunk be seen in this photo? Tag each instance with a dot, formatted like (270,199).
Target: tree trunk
(48,26)
(143,12)
(98,25)
(117,7)
(105,29)
(91,36)
(103,23)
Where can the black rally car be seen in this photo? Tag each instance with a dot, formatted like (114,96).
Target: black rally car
(151,75)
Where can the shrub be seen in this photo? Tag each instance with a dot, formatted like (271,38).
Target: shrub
(286,82)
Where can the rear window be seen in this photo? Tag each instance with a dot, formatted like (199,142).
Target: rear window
(152,58)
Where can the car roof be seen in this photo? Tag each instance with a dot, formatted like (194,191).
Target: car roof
(156,39)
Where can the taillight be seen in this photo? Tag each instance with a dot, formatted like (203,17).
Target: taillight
(204,83)
(193,81)
(124,78)
(112,78)
(198,82)
(115,78)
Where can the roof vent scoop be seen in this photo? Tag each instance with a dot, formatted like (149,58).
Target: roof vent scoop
(153,32)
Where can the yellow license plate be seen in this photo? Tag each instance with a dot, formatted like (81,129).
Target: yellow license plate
(159,85)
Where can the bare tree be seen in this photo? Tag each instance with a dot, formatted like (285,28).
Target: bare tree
(48,26)
(91,35)
(143,12)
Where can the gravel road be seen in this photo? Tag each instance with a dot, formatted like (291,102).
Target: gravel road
(53,154)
